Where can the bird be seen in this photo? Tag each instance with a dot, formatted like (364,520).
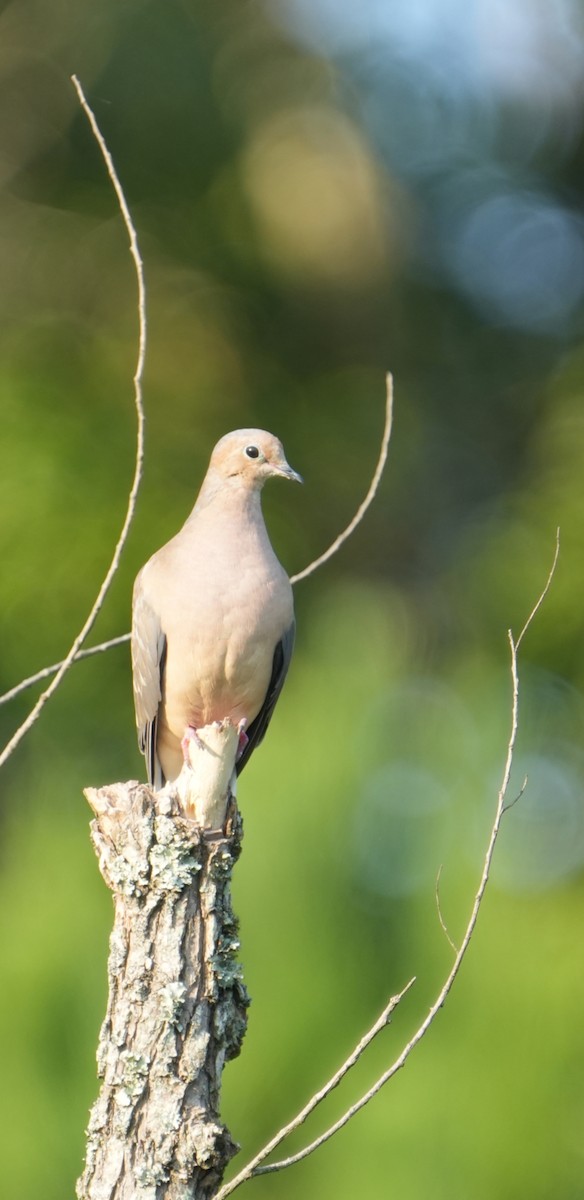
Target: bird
(212,613)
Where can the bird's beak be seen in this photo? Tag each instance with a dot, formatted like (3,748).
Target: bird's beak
(287,473)
(284,469)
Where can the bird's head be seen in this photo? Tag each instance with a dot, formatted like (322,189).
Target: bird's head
(251,456)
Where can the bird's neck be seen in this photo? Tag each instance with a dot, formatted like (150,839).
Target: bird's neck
(232,493)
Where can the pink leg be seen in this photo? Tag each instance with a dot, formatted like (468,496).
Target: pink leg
(190,735)
(243,738)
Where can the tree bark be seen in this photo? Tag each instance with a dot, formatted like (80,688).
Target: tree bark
(177,1004)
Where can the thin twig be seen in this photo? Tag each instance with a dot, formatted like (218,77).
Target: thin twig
(135,253)
(544,593)
(256,1166)
(513,802)
(48,671)
(125,637)
(373,486)
(439,908)
(381,1022)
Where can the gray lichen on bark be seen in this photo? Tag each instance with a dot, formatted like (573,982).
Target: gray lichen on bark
(177,1004)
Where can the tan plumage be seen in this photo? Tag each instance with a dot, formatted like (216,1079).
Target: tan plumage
(213,619)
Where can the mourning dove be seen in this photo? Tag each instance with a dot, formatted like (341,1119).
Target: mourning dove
(213,619)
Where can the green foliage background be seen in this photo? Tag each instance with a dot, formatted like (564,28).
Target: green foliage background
(288,266)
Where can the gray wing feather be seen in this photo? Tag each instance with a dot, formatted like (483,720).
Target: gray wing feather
(280,664)
(148,654)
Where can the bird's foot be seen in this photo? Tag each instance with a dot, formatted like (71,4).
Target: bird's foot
(190,735)
(243,738)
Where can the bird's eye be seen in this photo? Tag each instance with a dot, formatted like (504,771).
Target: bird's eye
(252,452)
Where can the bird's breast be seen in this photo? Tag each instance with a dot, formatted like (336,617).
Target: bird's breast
(221,638)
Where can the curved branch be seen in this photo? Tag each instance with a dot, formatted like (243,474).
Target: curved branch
(373,486)
(544,593)
(256,1166)
(135,253)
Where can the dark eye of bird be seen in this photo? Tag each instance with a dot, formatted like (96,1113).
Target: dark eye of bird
(252,451)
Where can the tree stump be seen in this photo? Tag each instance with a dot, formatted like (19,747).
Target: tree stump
(177,1004)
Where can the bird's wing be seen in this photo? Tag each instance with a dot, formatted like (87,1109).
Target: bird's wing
(148,655)
(280,664)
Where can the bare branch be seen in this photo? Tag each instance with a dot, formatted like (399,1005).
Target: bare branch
(125,637)
(373,486)
(444,991)
(48,671)
(256,1166)
(253,1167)
(135,253)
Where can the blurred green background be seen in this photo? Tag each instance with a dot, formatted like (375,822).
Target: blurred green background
(322,191)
